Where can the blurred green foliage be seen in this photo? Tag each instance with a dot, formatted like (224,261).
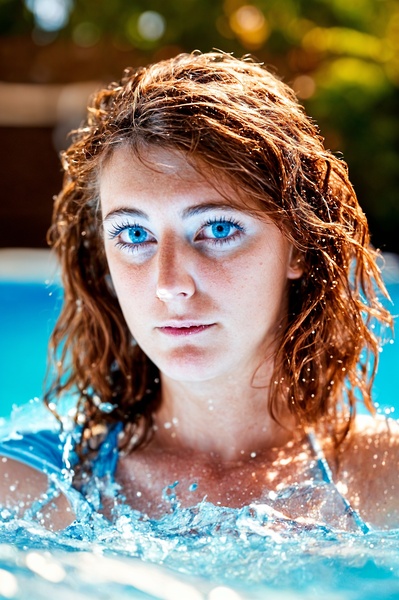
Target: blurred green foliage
(341,57)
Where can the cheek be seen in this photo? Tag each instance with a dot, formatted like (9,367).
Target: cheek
(266,285)
(131,288)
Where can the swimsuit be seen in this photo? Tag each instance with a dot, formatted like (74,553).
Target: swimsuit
(53,454)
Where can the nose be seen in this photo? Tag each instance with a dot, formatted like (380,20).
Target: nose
(174,278)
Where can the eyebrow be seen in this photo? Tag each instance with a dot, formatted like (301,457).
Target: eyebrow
(130,212)
(190,211)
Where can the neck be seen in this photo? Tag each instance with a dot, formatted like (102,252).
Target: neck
(229,421)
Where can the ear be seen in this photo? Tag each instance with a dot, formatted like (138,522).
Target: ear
(295,264)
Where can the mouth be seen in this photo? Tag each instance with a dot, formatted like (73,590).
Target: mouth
(185,329)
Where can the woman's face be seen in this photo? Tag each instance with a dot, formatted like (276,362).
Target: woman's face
(202,285)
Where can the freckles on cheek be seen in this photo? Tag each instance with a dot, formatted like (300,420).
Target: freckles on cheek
(128,284)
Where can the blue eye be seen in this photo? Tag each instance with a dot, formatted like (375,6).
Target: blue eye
(135,235)
(221,229)
(130,237)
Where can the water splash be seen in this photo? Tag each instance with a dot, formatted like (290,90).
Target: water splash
(205,552)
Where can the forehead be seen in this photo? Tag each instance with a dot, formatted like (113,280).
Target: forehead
(151,164)
(165,173)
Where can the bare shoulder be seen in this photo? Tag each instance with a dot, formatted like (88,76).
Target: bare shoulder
(373,437)
(21,486)
(368,470)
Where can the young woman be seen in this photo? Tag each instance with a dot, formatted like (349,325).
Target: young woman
(219,296)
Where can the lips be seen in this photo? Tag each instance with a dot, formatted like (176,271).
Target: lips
(184,329)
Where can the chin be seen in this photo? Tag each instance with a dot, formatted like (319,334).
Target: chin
(189,368)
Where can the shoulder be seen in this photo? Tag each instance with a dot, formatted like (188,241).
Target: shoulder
(26,463)
(372,437)
(368,470)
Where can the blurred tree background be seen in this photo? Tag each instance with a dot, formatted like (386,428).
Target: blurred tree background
(340,56)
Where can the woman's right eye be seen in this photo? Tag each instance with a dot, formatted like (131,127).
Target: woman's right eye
(130,238)
(134,235)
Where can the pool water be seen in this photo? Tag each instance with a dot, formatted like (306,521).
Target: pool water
(202,553)
(206,552)
(28,312)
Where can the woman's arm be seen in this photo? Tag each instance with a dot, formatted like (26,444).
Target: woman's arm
(21,486)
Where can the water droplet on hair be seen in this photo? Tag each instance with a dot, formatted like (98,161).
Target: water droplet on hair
(106,407)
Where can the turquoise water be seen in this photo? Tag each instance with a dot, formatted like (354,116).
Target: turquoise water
(202,553)
(28,312)
(205,552)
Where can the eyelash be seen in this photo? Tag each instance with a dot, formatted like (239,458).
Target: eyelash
(239,230)
(116,230)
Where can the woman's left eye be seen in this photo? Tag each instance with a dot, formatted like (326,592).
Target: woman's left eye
(219,231)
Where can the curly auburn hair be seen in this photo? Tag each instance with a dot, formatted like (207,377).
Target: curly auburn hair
(242,122)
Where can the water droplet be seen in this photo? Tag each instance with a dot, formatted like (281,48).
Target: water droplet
(106,407)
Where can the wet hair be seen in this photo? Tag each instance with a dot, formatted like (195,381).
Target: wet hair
(239,120)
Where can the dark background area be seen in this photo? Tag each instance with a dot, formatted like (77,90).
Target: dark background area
(341,57)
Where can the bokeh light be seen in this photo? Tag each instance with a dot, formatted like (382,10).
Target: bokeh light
(151,25)
(50,15)
(249,24)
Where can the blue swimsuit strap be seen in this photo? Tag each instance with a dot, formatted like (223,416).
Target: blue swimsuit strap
(46,451)
(41,450)
(327,475)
